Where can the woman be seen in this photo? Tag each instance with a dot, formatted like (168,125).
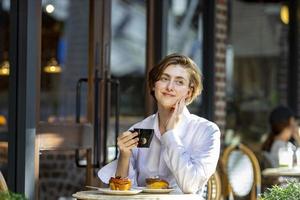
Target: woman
(185,148)
(283,128)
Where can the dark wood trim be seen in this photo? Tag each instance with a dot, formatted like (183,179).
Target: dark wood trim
(91,61)
(207,106)
(101,62)
(293,73)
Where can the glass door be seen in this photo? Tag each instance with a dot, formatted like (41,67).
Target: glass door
(128,61)
(74,94)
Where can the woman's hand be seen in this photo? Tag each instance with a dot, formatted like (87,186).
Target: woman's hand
(126,142)
(295,131)
(176,114)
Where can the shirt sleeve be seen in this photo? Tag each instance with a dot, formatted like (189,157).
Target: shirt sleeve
(109,170)
(192,168)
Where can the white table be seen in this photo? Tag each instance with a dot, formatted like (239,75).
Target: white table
(282,171)
(96,195)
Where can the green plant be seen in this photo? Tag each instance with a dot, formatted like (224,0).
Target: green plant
(11,196)
(289,191)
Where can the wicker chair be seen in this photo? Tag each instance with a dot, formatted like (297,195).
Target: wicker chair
(3,186)
(212,190)
(236,160)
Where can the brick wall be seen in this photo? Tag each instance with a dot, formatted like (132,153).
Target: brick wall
(220,58)
(59,175)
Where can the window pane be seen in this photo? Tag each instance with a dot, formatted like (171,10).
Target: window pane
(256,59)
(65,36)
(128,53)
(185,34)
(128,62)
(64,58)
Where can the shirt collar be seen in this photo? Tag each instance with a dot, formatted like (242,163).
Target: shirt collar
(184,120)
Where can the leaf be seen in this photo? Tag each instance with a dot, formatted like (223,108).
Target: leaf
(290,191)
(11,196)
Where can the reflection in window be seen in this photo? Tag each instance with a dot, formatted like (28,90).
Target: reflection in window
(128,43)
(258,53)
(185,33)
(128,54)
(64,58)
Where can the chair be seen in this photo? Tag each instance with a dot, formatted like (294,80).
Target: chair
(212,189)
(242,175)
(3,186)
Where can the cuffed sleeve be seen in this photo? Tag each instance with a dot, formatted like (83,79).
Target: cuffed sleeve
(192,168)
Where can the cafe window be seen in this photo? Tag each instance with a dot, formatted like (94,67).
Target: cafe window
(128,41)
(64,58)
(256,56)
(185,32)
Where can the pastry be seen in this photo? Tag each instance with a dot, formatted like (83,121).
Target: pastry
(119,183)
(156,183)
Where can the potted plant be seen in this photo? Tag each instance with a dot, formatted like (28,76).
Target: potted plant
(289,191)
(7,195)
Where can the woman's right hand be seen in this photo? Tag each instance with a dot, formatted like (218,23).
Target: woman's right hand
(126,142)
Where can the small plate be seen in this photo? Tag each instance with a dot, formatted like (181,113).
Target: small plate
(156,191)
(91,194)
(119,192)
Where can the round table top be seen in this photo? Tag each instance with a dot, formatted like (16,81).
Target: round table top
(98,195)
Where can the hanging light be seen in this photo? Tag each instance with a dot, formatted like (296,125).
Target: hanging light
(284,14)
(52,66)
(3,120)
(4,68)
(50,8)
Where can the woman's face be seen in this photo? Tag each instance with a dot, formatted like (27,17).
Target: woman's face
(172,86)
(290,130)
(294,127)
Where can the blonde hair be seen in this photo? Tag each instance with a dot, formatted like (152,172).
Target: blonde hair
(195,76)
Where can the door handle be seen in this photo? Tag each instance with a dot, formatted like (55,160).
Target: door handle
(97,140)
(78,98)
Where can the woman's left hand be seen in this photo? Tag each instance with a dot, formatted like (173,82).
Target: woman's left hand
(176,114)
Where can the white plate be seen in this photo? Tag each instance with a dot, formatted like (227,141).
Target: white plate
(119,192)
(91,194)
(156,191)
(281,171)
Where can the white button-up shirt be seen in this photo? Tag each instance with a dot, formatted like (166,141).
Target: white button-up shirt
(185,156)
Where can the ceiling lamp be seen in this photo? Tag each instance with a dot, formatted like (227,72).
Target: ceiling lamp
(50,8)
(52,67)
(4,68)
(3,121)
(284,14)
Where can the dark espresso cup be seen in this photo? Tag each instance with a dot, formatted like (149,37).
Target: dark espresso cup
(145,137)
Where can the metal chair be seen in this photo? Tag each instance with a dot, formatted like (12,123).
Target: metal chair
(242,174)
(3,185)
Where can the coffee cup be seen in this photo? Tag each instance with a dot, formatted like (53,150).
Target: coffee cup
(145,137)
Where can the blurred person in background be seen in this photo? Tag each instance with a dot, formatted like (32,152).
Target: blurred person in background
(284,132)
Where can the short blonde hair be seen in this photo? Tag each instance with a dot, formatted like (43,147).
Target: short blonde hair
(195,75)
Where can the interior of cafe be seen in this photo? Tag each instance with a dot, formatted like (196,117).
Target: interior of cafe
(73,77)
